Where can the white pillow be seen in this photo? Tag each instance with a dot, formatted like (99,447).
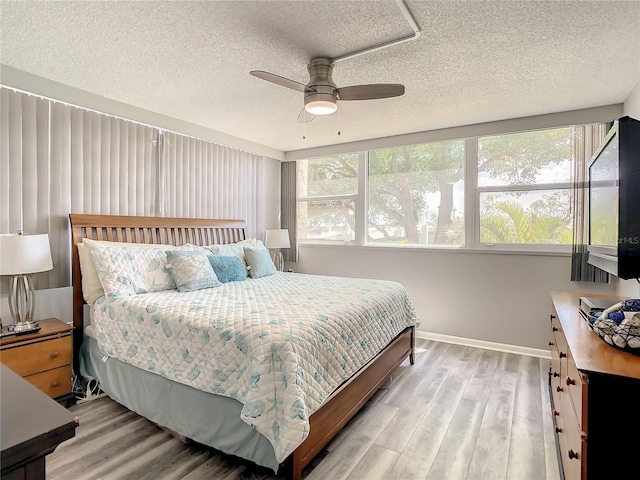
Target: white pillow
(91,284)
(130,270)
(92,288)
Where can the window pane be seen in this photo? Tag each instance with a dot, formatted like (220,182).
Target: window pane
(326,220)
(336,175)
(534,217)
(416,194)
(543,156)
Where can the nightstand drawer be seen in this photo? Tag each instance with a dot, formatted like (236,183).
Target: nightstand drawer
(39,356)
(55,383)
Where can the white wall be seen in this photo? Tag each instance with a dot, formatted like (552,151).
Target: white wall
(631,105)
(630,288)
(497,298)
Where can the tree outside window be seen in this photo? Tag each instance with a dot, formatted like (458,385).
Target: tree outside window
(327,190)
(524,184)
(416,194)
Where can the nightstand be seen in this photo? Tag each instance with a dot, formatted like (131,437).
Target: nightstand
(42,358)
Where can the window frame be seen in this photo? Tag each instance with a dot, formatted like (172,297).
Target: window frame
(478,190)
(356,197)
(472,192)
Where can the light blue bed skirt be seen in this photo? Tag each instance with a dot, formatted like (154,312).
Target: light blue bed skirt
(206,418)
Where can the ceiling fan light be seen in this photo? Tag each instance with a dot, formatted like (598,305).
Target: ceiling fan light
(321,107)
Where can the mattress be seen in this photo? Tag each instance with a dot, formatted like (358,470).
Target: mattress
(280,345)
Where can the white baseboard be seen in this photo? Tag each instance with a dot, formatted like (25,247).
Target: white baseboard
(470,342)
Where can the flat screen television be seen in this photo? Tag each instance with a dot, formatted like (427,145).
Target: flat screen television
(614,201)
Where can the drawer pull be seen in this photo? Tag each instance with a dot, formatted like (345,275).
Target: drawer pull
(55,354)
(554,329)
(552,316)
(559,389)
(563,355)
(551,344)
(573,454)
(558,429)
(570,381)
(556,374)
(556,413)
(55,384)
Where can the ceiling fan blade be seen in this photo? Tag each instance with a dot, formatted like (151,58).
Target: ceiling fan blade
(278,80)
(305,117)
(370,92)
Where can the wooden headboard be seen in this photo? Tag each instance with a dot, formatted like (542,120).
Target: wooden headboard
(151,230)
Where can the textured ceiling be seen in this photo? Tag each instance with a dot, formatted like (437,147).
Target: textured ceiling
(475,61)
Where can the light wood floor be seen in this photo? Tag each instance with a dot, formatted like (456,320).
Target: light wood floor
(458,413)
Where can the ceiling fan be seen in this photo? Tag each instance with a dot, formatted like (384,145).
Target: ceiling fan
(321,94)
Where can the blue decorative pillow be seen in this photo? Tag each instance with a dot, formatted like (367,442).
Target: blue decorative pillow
(259,261)
(228,269)
(191,270)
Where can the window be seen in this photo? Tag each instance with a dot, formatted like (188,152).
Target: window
(327,191)
(513,191)
(524,187)
(416,194)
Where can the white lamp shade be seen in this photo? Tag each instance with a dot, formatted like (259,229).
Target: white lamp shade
(21,254)
(277,238)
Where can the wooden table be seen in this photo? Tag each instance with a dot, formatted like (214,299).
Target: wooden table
(32,426)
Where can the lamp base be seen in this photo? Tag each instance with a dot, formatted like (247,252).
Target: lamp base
(278,261)
(25,327)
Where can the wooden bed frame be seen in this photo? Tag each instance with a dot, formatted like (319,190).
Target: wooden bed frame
(335,412)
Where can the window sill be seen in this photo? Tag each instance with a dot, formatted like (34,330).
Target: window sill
(441,249)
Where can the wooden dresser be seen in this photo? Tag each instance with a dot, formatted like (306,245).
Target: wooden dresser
(42,358)
(595,393)
(31,426)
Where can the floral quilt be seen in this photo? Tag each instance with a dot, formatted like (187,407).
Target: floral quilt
(280,344)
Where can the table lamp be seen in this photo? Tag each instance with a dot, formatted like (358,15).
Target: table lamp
(277,239)
(21,255)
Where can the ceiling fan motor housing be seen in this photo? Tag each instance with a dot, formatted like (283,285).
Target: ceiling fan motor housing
(323,98)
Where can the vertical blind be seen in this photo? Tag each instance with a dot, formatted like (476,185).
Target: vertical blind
(586,142)
(57,159)
(202,179)
(288,208)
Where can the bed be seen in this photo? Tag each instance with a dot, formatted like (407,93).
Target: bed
(239,413)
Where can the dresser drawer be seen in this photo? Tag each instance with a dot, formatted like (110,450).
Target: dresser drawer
(38,356)
(575,386)
(55,383)
(563,447)
(574,458)
(569,439)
